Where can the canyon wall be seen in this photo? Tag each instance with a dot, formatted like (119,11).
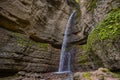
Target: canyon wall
(32,32)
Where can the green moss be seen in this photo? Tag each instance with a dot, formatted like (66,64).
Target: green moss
(74,5)
(109,28)
(83,59)
(91,4)
(105,70)
(20,39)
(77,15)
(87,57)
(87,75)
(116,75)
(84,47)
(77,1)
(41,45)
(26,42)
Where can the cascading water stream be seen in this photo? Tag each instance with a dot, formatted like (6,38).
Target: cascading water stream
(64,47)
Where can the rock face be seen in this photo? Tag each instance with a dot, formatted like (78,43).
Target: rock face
(38,19)
(100,74)
(32,27)
(106,40)
(102,48)
(18,53)
(32,31)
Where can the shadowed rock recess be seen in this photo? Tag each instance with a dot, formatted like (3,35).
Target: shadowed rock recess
(31,34)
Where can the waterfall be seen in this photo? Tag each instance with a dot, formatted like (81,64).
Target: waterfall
(65,57)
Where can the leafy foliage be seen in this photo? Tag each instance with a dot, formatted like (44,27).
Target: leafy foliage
(91,5)
(110,26)
(77,1)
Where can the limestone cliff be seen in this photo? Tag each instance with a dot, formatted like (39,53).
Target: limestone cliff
(31,33)
(29,29)
(102,47)
(38,19)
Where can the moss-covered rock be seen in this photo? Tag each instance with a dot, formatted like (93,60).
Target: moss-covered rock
(104,40)
(109,28)
(100,74)
(87,75)
(87,61)
(24,42)
(19,53)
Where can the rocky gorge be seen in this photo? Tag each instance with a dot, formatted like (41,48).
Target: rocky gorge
(31,34)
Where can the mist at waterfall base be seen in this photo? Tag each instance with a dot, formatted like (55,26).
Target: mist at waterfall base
(67,50)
